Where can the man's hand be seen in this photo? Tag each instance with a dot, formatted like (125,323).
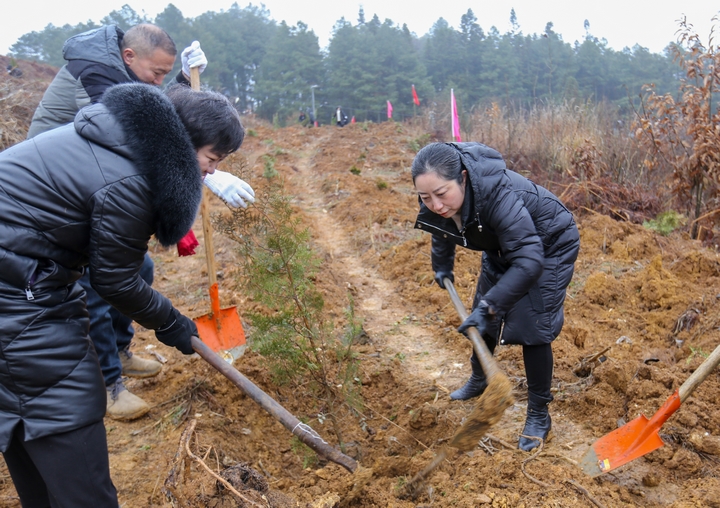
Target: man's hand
(480,318)
(193,56)
(234,191)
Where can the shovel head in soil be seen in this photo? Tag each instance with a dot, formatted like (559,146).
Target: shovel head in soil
(222,330)
(640,436)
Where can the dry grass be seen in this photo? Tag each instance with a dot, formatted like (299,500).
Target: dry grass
(19,96)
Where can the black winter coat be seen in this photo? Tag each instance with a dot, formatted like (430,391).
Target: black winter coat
(529,241)
(88,194)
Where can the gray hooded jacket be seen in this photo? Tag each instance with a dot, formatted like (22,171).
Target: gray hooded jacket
(94,64)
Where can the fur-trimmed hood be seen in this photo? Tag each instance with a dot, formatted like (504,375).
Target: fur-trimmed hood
(139,122)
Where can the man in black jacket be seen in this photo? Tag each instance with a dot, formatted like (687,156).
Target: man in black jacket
(54,222)
(96,60)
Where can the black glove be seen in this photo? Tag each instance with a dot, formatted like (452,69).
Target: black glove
(480,318)
(176,332)
(439,276)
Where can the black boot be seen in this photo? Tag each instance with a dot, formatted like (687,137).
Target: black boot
(475,386)
(537,423)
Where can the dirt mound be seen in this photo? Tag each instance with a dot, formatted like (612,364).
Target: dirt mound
(642,313)
(21,88)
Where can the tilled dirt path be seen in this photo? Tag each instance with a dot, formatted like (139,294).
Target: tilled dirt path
(384,314)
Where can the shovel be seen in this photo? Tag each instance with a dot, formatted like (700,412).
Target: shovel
(221,330)
(301,430)
(640,436)
(489,407)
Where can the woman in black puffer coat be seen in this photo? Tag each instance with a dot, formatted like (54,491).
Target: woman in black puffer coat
(91,194)
(529,242)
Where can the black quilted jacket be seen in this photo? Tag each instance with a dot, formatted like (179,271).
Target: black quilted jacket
(517,224)
(92,193)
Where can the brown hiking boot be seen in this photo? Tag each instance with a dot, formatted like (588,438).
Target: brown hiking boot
(123,405)
(134,366)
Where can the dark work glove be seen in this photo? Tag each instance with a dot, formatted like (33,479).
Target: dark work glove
(176,332)
(439,276)
(480,318)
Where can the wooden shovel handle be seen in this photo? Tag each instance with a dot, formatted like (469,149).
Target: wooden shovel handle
(204,205)
(302,431)
(486,359)
(700,374)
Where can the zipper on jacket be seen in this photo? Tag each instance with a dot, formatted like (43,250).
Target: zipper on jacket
(431,227)
(28,292)
(462,233)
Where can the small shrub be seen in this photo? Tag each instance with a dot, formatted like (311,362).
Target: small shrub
(665,223)
(416,144)
(291,328)
(269,167)
(251,133)
(381,184)
(354,170)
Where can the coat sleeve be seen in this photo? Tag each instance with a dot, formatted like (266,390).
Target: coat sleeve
(442,254)
(122,223)
(521,249)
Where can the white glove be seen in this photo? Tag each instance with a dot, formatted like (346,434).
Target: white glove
(193,56)
(230,189)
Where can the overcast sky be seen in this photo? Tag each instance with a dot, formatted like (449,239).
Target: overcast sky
(623,23)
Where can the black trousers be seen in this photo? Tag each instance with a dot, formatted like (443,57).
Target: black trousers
(68,470)
(538,366)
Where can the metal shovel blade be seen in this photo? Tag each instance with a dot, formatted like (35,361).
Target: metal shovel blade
(634,439)
(640,436)
(222,330)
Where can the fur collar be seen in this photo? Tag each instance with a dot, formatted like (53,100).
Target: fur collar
(161,148)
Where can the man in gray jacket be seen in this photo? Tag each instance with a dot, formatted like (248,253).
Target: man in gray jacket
(96,60)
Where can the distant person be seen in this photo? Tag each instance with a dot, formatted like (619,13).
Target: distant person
(56,220)
(341,119)
(13,69)
(529,243)
(311,116)
(96,60)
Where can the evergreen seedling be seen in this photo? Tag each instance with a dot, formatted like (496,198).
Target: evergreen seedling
(291,329)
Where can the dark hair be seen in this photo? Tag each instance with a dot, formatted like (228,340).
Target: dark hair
(439,158)
(146,38)
(209,119)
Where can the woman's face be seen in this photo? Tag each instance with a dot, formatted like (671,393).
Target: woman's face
(443,197)
(208,160)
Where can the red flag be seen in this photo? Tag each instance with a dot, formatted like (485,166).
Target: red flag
(389,109)
(455,119)
(416,99)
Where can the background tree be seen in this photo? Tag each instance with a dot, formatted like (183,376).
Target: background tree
(292,64)
(371,62)
(46,46)
(684,133)
(125,18)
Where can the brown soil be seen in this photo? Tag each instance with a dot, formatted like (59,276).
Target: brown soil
(649,304)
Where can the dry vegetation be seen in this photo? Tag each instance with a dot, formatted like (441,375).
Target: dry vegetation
(642,314)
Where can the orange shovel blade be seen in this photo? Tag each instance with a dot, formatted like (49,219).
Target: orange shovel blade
(632,440)
(221,330)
